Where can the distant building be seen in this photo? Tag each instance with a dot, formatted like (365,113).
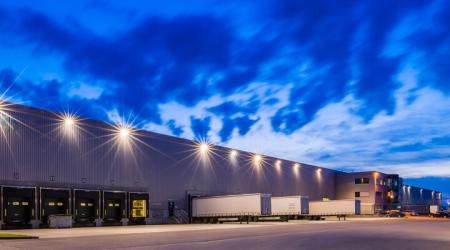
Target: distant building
(105,174)
(379,191)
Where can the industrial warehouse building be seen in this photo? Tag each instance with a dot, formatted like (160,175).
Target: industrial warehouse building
(103,174)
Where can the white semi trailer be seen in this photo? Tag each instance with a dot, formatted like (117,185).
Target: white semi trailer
(290,205)
(340,208)
(434,209)
(240,207)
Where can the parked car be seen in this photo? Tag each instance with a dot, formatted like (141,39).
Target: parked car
(394,213)
(410,213)
(441,214)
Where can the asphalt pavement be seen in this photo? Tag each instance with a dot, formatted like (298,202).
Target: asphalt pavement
(352,234)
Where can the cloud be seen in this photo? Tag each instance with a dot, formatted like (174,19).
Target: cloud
(157,60)
(410,141)
(348,56)
(439,168)
(85,91)
(153,62)
(191,57)
(50,94)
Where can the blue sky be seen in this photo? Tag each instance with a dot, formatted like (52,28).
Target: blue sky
(354,85)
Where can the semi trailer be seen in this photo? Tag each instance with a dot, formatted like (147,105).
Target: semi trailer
(290,207)
(339,208)
(239,207)
(434,209)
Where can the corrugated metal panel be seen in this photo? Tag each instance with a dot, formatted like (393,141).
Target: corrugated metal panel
(167,167)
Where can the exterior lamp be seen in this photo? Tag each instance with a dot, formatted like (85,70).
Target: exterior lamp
(69,121)
(296,168)
(68,125)
(204,147)
(278,163)
(124,133)
(257,159)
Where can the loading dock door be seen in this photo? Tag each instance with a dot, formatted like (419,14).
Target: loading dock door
(114,206)
(86,205)
(52,206)
(85,210)
(54,202)
(18,210)
(113,210)
(18,205)
(139,210)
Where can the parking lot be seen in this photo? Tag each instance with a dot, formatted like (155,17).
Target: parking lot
(377,233)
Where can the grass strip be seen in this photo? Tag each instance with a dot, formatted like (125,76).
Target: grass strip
(9,236)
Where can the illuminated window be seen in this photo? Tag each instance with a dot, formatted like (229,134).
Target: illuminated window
(362,181)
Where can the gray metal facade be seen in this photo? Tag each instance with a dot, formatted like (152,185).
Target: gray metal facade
(35,151)
(404,196)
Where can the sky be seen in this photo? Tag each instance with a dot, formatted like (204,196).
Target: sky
(348,85)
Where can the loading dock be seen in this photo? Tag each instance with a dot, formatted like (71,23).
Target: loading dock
(86,204)
(19,207)
(114,208)
(138,203)
(54,201)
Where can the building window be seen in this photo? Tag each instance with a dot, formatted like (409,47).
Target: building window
(378,194)
(362,181)
(389,182)
(357,194)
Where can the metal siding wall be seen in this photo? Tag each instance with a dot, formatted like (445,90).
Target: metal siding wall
(165,166)
(413,196)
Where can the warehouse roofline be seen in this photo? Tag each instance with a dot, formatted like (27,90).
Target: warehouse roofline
(12,107)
